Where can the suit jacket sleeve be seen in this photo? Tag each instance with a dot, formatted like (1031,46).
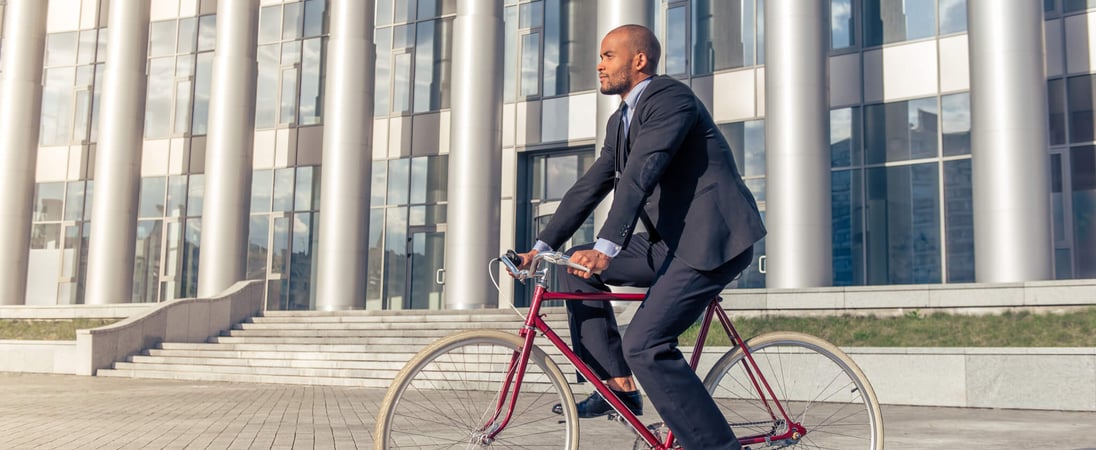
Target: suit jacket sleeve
(664,117)
(579,201)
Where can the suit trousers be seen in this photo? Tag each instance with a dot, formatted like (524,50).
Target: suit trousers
(676,297)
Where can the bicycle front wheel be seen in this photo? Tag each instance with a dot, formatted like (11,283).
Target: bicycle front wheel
(818,385)
(447,396)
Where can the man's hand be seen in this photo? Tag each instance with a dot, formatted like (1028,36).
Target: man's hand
(593,259)
(526,259)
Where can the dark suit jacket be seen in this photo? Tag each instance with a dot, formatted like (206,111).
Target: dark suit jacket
(679,169)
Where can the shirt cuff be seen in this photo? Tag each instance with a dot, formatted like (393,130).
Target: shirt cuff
(541,247)
(609,248)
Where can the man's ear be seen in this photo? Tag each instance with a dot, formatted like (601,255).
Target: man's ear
(640,62)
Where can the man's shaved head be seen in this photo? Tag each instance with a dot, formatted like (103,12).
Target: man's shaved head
(643,40)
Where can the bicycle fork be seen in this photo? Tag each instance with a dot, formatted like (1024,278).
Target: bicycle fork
(515,373)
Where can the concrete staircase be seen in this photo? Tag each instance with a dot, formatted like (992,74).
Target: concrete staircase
(347,348)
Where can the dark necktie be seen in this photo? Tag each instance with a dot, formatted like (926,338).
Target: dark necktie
(622,158)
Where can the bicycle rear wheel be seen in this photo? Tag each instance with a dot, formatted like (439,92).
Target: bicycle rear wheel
(446,397)
(818,385)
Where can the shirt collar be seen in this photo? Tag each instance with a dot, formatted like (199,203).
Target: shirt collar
(635,93)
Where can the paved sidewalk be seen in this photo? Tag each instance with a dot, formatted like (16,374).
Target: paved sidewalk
(74,412)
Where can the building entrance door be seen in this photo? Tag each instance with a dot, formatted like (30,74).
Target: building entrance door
(425,267)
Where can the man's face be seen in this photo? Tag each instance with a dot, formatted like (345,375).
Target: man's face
(616,69)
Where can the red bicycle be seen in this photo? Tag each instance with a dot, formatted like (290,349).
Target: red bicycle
(487,388)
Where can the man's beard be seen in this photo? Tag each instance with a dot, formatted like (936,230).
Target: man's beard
(615,88)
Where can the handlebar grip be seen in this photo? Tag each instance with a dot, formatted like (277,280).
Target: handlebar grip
(514,258)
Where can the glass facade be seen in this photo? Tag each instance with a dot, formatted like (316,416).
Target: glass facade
(901,166)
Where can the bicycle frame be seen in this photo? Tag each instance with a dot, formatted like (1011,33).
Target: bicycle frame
(535,323)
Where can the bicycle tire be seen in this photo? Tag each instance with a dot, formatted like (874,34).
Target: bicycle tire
(818,384)
(443,395)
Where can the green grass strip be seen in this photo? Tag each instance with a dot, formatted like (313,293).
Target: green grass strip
(48,330)
(1010,329)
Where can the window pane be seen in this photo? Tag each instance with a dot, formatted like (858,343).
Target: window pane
(562,172)
(530,64)
(888,21)
(844,137)
(270,24)
(48,200)
(723,35)
(161,38)
(161,76)
(510,50)
(288,109)
(311,104)
(182,107)
(842,27)
(959,218)
(207,32)
(375,264)
(1057,200)
(146,261)
(188,31)
(291,21)
(424,68)
(203,75)
(1081,119)
(847,207)
(176,196)
(56,118)
(279,247)
(1056,106)
(379,183)
(903,227)
(313,17)
(74,200)
(955,118)
(382,71)
(418,180)
(384,12)
(45,236)
(1077,5)
(301,262)
(152,197)
(398,170)
(953,16)
(283,189)
(1083,170)
(266,92)
(395,258)
(261,190)
(401,91)
(61,49)
(87,45)
(555,83)
(303,192)
(675,40)
(923,128)
(531,15)
(195,195)
(404,11)
(258,236)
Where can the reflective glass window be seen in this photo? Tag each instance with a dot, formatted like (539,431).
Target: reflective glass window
(1083,183)
(903,219)
(195,194)
(404,11)
(203,76)
(375,265)
(959,221)
(307,191)
(57,106)
(383,71)
(398,171)
(258,238)
(530,64)
(842,27)
(1081,119)
(1056,108)
(270,24)
(267,86)
(845,137)
(379,184)
(1077,5)
(151,203)
(889,21)
(561,172)
(401,91)
(675,50)
(176,196)
(314,17)
(311,106)
(146,261)
(723,35)
(847,206)
(953,16)
(48,201)
(262,186)
(74,200)
(158,99)
(283,190)
(395,257)
(161,38)
(570,46)
(900,131)
(188,33)
(955,123)
(207,32)
(291,21)
(61,49)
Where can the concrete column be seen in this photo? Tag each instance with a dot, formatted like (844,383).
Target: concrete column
(225,215)
(799,246)
(1008,102)
(612,14)
(20,110)
(347,157)
(118,156)
(475,155)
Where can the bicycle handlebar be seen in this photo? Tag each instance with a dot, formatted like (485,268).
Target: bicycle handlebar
(511,260)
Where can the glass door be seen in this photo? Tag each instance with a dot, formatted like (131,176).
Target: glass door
(425,264)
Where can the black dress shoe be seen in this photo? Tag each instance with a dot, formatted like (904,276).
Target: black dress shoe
(596,406)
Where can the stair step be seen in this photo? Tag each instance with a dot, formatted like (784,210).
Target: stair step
(271,371)
(245,378)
